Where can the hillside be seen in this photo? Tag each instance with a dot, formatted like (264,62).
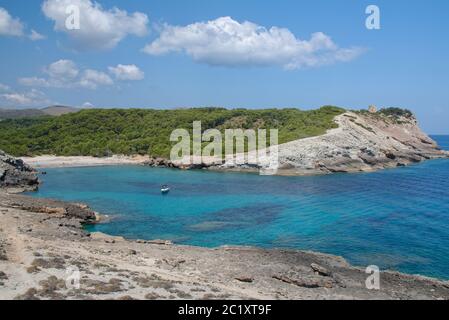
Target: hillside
(20,113)
(58,110)
(25,113)
(102,132)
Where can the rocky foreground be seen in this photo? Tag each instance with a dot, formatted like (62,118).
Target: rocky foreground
(42,242)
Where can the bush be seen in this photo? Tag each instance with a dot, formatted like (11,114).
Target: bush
(396,112)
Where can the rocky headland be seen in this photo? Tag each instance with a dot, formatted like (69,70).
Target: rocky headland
(364,141)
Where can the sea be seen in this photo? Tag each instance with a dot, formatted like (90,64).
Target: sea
(397,219)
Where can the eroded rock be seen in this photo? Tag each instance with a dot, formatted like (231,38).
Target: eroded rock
(14,173)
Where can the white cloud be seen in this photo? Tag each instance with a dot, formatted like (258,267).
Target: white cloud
(36,36)
(4,87)
(30,98)
(66,74)
(61,74)
(10,26)
(127,72)
(35,82)
(93,78)
(99,28)
(87,105)
(62,69)
(226,42)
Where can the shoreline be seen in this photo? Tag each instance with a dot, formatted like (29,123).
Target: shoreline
(53,162)
(41,238)
(50,161)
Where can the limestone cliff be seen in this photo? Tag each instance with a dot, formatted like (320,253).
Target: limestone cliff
(362,142)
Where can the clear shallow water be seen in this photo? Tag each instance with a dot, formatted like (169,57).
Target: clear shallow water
(397,219)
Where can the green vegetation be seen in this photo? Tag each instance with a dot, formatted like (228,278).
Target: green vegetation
(396,112)
(390,115)
(102,132)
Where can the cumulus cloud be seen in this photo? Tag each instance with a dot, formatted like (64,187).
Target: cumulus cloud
(36,36)
(66,74)
(25,99)
(226,42)
(62,69)
(127,72)
(10,26)
(99,28)
(91,79)
(35,82)
(61,74)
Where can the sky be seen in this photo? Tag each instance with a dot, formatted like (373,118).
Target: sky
(227,53)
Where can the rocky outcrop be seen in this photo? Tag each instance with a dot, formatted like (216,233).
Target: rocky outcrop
(15,174)
(52,208)
(363,141)
(160,163)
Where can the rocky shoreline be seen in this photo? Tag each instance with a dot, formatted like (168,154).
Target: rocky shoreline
(16,175)
(41,239)
(363,142)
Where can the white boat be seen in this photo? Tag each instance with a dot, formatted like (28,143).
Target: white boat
(165,189)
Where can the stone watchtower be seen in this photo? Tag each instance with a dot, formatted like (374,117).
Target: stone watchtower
(372,109)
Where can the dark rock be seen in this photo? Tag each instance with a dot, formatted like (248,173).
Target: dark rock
(245,279)
(14,173)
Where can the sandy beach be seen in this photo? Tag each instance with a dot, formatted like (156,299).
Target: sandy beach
(50,161)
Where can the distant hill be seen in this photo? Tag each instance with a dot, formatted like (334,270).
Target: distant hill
(22,113)
(25,113)
(59,110)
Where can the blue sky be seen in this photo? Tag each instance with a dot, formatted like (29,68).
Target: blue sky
(404,64)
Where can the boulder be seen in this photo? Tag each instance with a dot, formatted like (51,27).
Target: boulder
(14,173)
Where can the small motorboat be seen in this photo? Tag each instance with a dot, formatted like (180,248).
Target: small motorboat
(165,189)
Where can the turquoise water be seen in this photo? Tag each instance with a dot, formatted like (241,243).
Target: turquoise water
(396,219)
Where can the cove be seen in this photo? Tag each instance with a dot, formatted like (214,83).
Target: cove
(396,219)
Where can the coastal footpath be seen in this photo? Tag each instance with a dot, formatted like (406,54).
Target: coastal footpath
(42,242)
